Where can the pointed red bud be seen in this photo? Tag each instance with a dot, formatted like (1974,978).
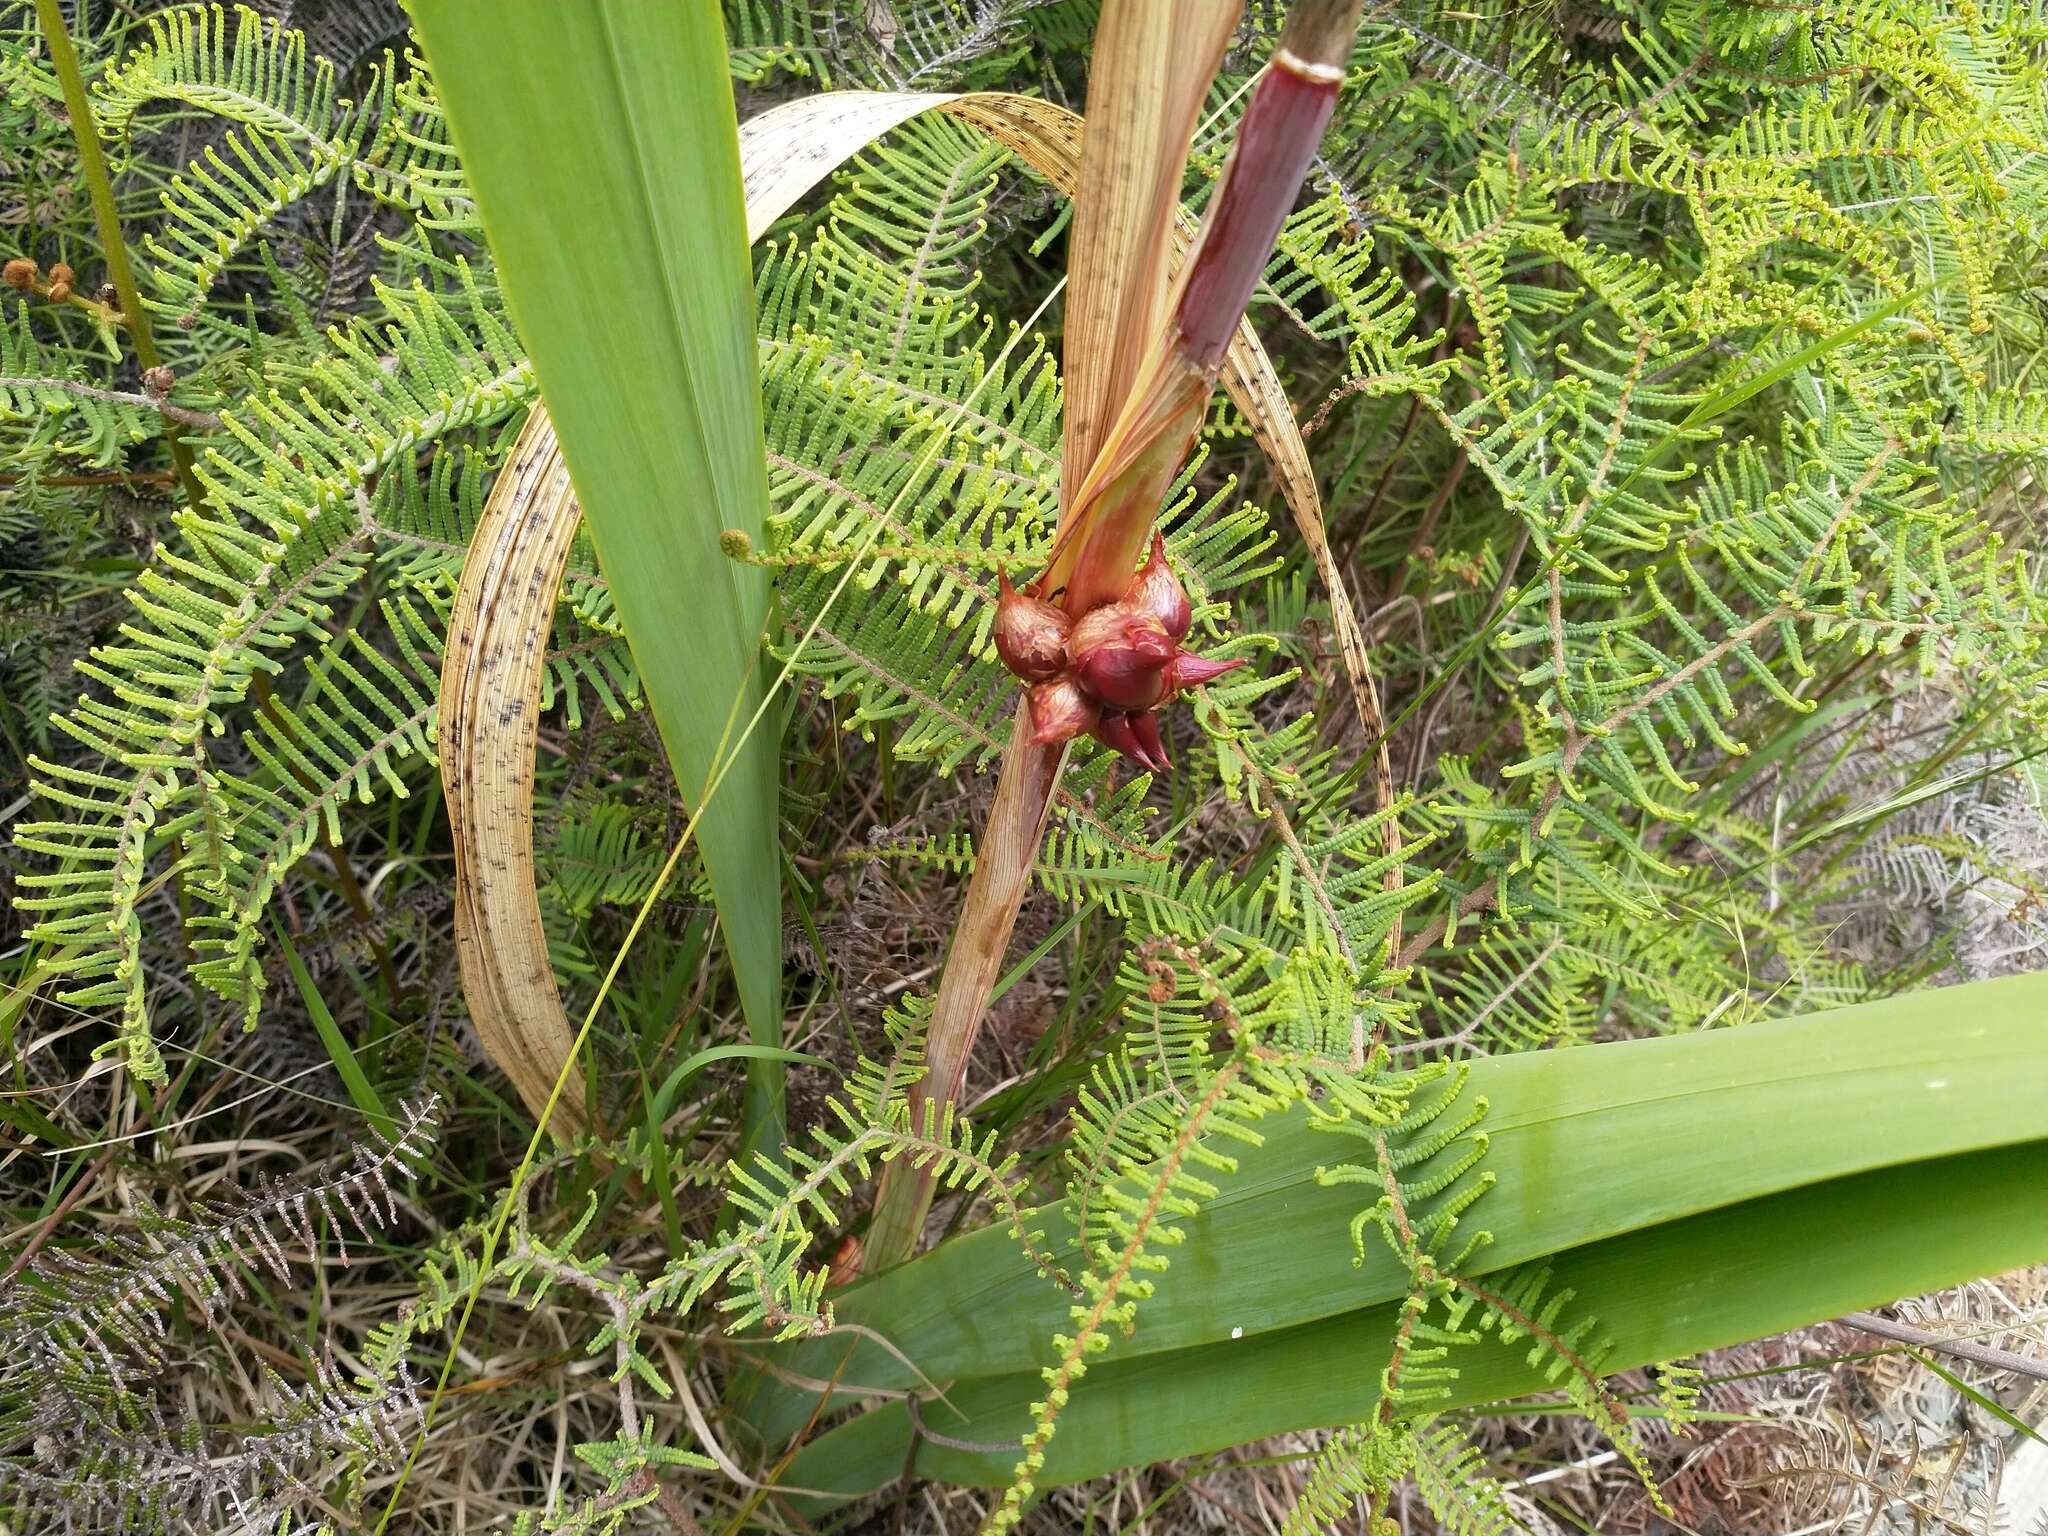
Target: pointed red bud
(1030,633)
(1120,656)
(1191,671)
(1157,591)
(1114,731)
(1060,711)
(1151,749)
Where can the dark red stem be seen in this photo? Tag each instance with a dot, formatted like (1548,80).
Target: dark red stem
(1283,125)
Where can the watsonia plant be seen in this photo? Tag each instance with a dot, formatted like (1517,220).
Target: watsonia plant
(1671,387)
(1104,654)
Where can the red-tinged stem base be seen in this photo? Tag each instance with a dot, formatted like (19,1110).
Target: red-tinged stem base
(1002,875)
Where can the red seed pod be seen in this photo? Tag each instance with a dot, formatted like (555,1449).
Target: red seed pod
(1060,711)
(1191,671)
(1120,657)
(1157,591)
(1030,634)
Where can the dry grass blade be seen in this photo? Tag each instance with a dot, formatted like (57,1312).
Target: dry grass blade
(1149,71)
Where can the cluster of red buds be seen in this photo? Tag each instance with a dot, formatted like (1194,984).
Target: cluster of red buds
(1107,672)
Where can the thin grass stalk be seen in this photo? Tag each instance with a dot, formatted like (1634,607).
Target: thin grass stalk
(1109,518)
(99,186)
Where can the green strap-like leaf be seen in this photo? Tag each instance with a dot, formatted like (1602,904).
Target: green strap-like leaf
(1591,1147)
(601,141)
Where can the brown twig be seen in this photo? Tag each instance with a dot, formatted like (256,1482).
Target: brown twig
(1963,1349)
(63,1208)
(183,415)
(1476,901)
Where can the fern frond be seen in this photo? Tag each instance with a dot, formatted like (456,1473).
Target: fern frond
(1521,1307)
(1452,1478)
(50,409)
(1356,1465)
(246,586)
(87,1325)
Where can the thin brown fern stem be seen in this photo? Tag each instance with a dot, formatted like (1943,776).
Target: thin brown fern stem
(1527,1322)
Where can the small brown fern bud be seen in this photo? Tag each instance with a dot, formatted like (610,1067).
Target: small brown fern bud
(20,274)
(157,382)
(60,282)
(737,544)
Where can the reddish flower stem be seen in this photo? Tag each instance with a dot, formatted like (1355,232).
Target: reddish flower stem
(1109,524)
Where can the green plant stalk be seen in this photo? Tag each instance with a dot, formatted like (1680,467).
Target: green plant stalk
(99,186)
(1104,528)
(602,144)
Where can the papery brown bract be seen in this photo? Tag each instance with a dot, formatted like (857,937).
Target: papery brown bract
(1060,711)
(1030,633)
